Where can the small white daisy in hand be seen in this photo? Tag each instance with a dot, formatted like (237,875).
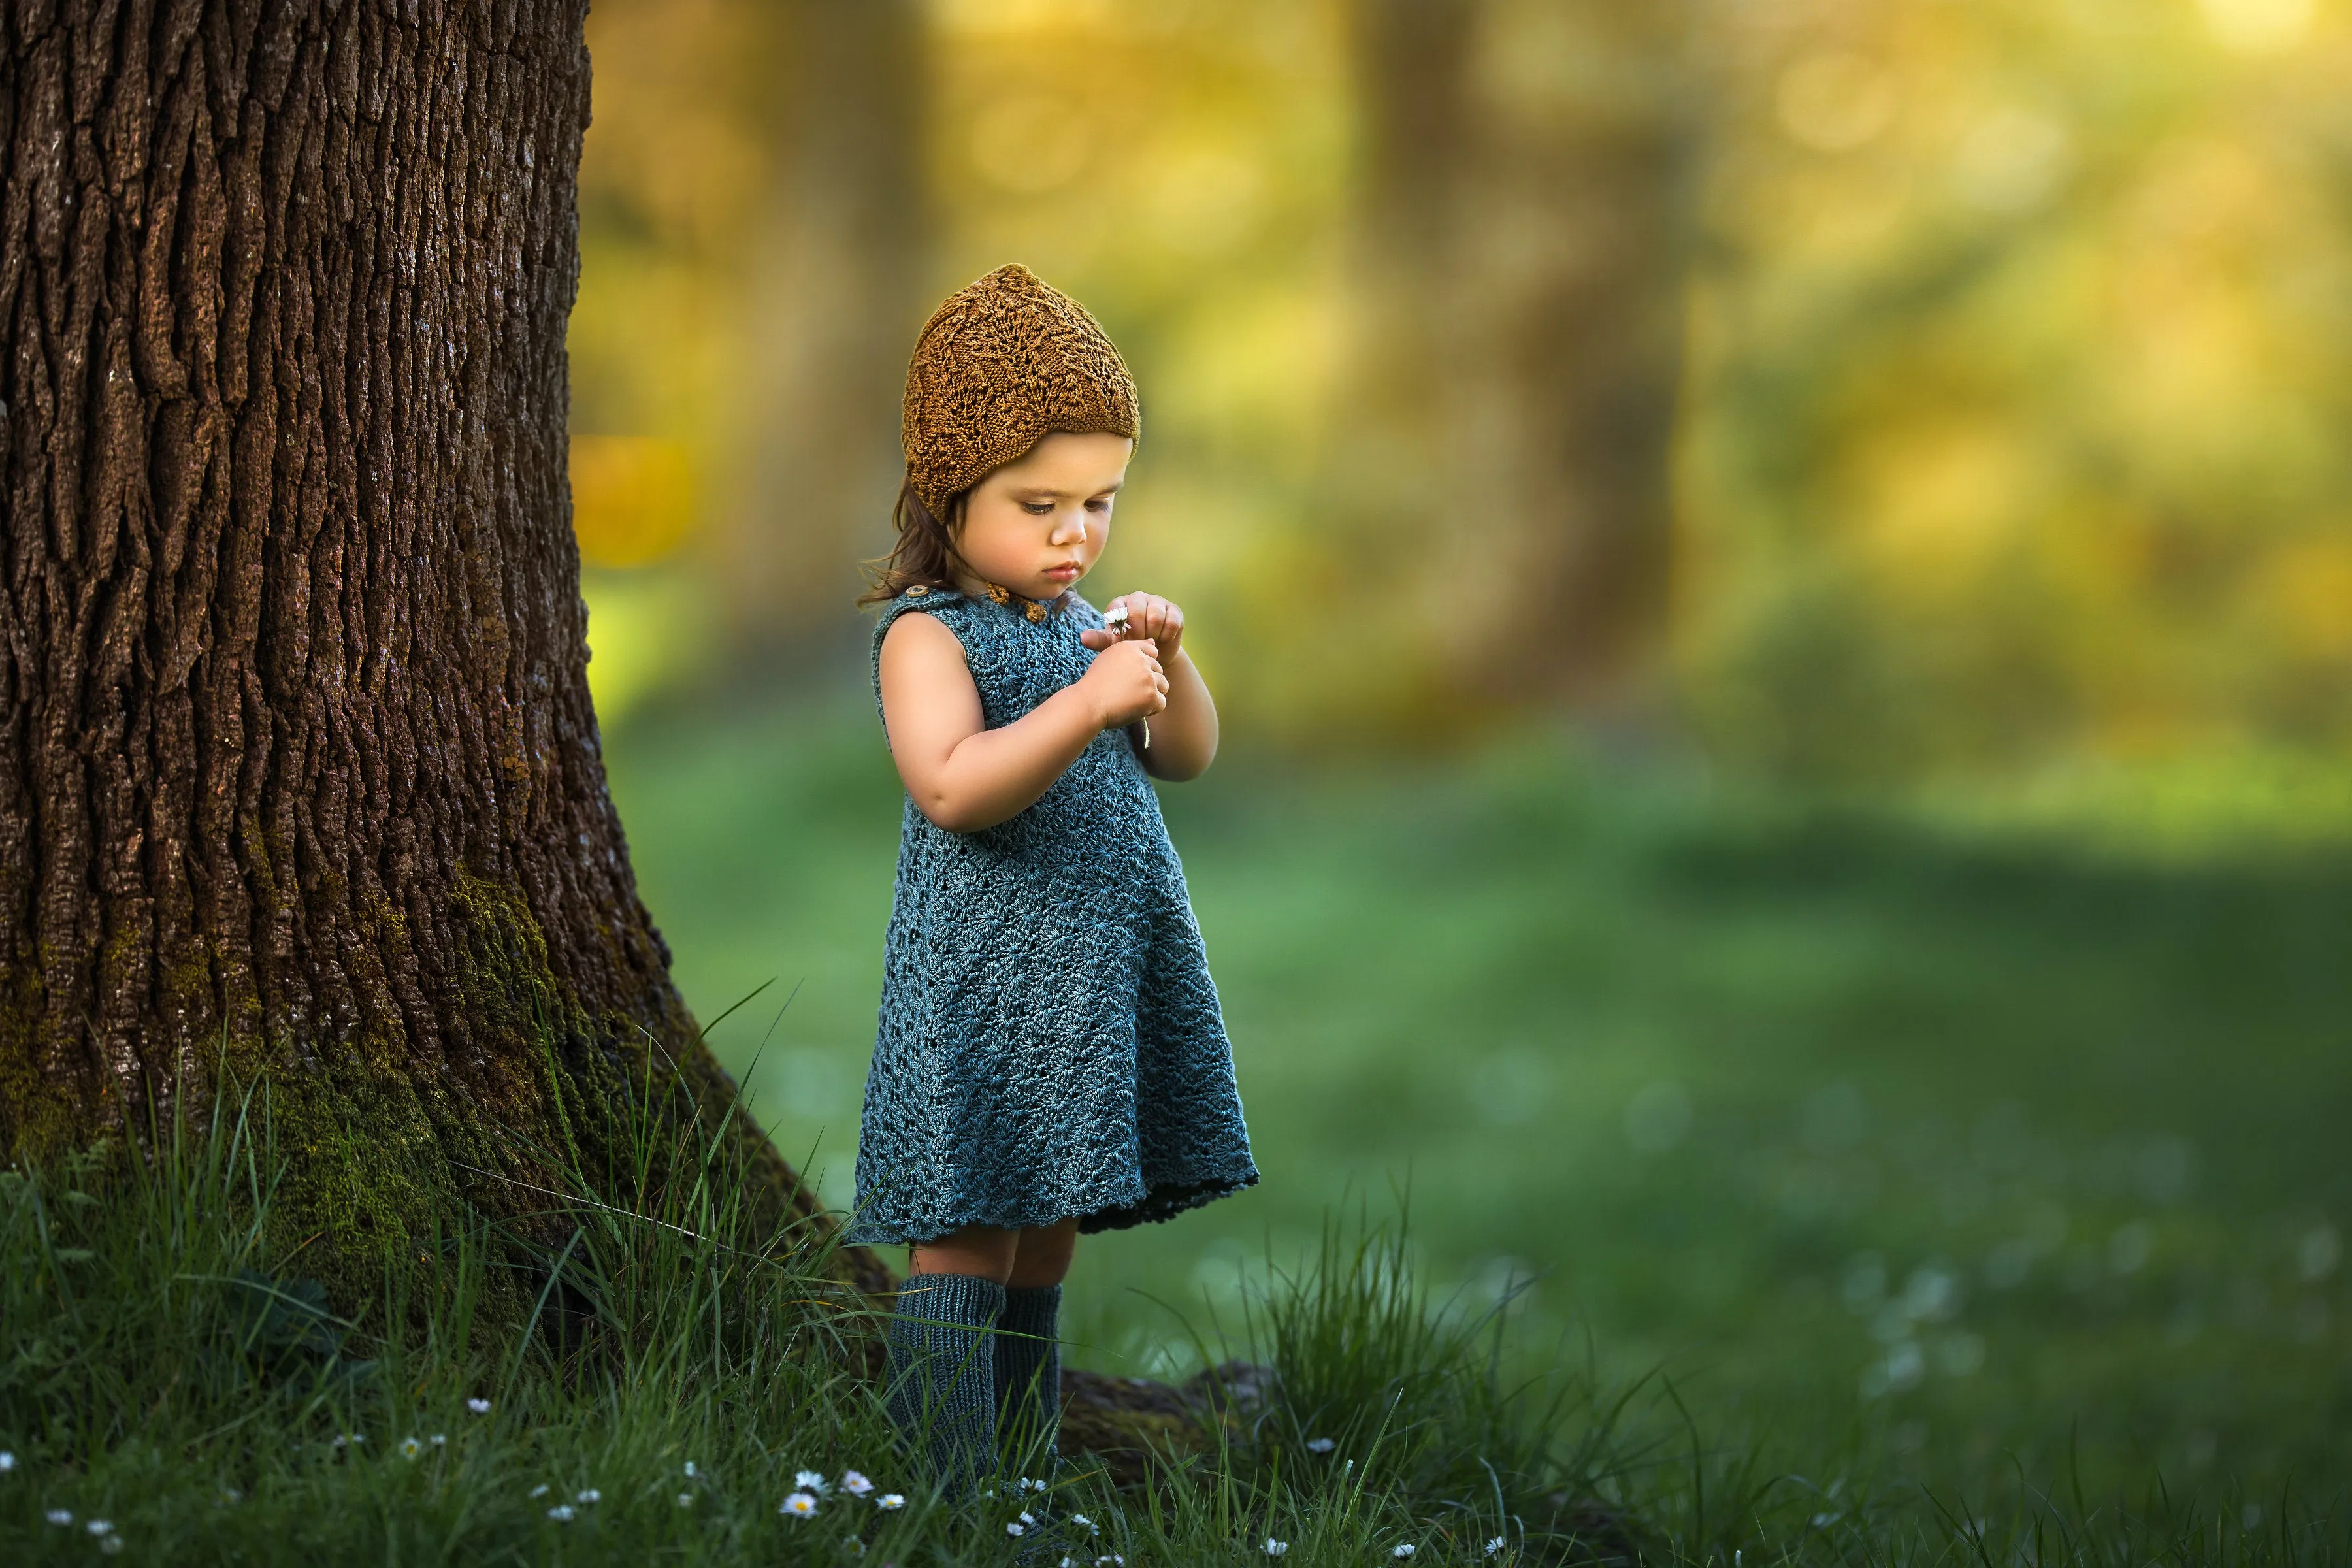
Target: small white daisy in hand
(800,1505)
(811,1481)
(591,1495)
(1320,1444)
(890,1500)
(478,1406)
(1274,1548)
(410,1447)
(562,1513)
(59,1516)
(855,1485)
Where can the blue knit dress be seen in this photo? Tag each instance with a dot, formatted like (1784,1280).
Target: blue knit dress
(1050,1043)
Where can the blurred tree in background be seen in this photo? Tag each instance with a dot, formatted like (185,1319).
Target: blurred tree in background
(2022,356)
(1882,389)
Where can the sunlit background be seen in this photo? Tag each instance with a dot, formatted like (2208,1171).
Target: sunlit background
(1781,578)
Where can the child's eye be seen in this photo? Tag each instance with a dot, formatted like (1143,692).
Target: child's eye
(1101,505)
(1038,508)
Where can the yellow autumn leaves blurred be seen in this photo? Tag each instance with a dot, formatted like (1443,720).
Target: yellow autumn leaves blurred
(2004,423)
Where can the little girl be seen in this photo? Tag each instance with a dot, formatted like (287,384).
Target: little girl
(1050,1059)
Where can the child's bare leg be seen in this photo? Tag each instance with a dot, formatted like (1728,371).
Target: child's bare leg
(1042,1254)
(1028,1345)
(987,1250)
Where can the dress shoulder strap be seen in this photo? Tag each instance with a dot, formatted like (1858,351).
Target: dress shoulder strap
(952,608)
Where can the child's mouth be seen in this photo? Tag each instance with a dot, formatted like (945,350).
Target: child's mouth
(1064,574)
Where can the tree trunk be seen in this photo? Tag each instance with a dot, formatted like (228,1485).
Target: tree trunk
(1518,258)
(299,774)
(836,290)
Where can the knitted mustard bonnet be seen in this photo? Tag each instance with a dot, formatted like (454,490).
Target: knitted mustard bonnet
(1005,362)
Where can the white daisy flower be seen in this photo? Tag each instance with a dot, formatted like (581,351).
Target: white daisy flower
(855,1484)
(812,1481)
(689,1469)
(1403,1548)
(1088,1525)
(59,1516)
(1029,1486)
(800,1505)
(440,1439)
(562,1513)
(478,1406)
(686,1500)
(591,1495)
(410,1447)
(1112,1560)
(1014,1527)
(1320,1444)
(540,1491)
(1274,1548)
(100,1527)
(890,1500)
(1496,1546)
(1028,1517)
(8,1461)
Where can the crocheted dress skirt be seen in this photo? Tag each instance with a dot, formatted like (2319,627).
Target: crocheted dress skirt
(1049,1041)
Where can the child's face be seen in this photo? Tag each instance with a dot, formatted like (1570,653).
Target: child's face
(1038,525)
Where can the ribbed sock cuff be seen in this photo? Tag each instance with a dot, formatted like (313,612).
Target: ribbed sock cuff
(1029,1370)
(942,1372)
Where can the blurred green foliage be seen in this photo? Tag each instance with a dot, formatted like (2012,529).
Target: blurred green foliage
(2016,362)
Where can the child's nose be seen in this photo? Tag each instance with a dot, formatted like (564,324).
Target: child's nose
(1069,529)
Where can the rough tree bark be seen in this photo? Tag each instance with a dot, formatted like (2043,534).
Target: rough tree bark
(299,774)
(1518,254)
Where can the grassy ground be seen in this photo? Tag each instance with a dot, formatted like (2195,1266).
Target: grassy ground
(1909,1156)
(681,1392)
(1785,1187)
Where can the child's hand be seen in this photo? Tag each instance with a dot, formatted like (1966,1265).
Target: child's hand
(1148,616)
(1126,683)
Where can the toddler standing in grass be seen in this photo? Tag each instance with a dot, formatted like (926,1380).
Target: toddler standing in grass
(1050,1059)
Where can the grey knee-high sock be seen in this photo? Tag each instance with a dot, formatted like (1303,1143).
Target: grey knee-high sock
(1029,1371)
(942,1373)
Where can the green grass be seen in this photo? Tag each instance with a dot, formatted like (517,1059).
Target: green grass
(176,1392)
(1956,1158)
(1785,1185)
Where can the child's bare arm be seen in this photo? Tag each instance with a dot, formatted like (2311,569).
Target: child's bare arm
(966,776)
(1184,739)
